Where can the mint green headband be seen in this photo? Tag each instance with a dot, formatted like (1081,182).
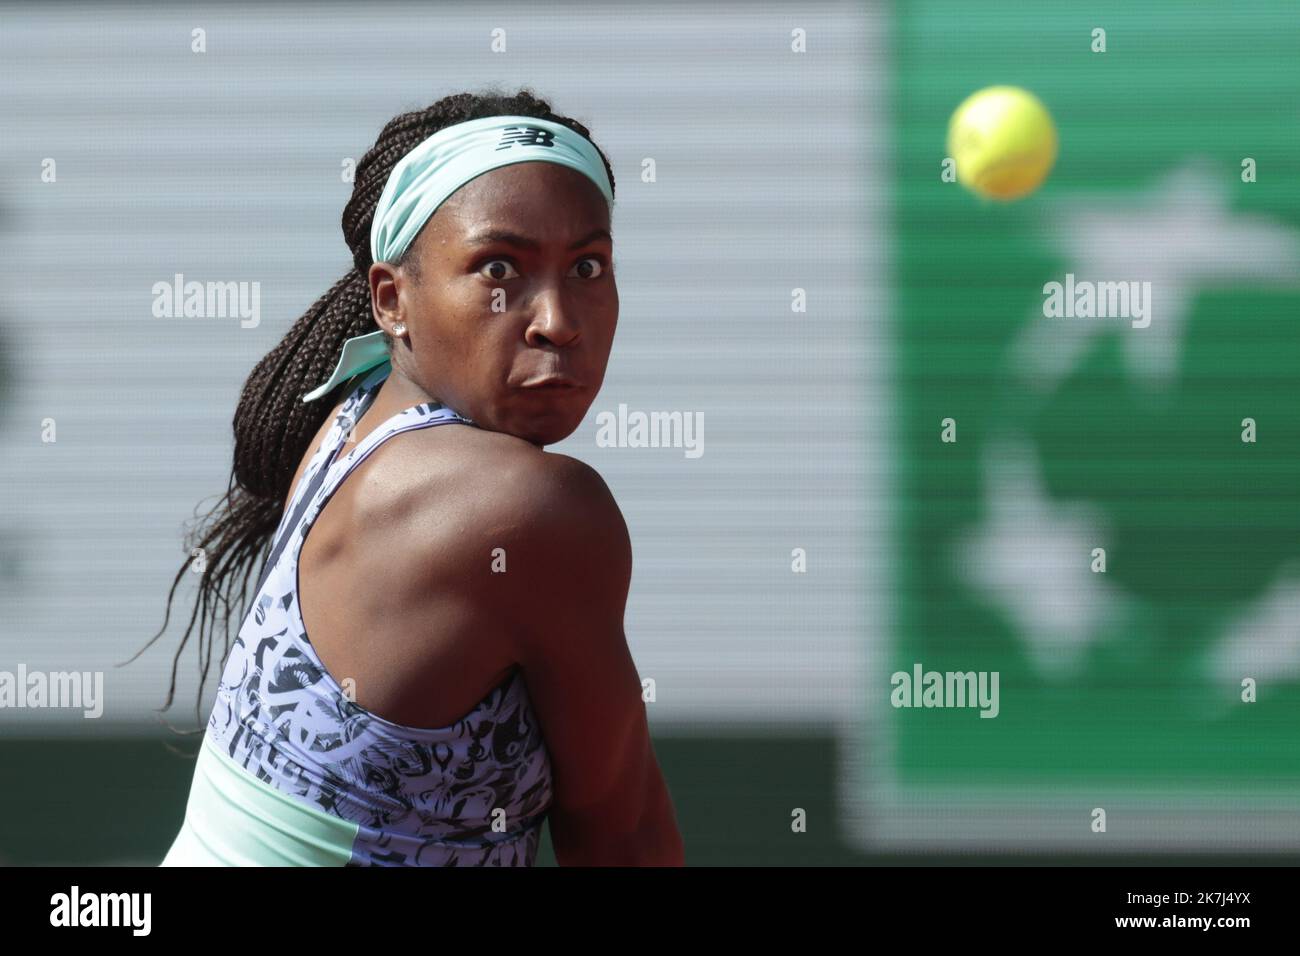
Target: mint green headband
(422,180)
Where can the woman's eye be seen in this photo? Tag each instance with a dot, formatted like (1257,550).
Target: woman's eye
(497,269)
(590,267)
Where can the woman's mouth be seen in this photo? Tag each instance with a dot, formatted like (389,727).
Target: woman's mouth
(553,382)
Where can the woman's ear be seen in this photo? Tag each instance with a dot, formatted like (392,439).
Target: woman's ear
(384,299)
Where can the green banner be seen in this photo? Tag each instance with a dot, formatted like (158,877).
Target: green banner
(1102,510)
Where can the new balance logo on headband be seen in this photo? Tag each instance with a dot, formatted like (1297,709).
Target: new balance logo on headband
(525,136)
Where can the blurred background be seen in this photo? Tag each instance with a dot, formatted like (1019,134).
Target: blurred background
(797,273)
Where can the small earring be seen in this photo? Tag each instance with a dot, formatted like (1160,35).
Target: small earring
(399,328)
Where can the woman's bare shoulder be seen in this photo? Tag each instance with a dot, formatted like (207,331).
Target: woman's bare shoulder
(553,507)
(503,493)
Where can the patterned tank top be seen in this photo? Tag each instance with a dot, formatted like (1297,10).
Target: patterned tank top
(374,792)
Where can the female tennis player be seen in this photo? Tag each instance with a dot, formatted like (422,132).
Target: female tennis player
(433,661)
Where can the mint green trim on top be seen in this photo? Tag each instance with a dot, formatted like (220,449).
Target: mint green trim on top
(234,819)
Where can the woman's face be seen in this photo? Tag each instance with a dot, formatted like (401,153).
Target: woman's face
(513,283)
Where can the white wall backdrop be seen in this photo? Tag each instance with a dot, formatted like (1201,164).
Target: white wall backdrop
(226,166)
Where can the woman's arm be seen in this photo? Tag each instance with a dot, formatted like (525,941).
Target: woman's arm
(569,565)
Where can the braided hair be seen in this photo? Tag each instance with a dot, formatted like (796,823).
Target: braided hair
(272,425)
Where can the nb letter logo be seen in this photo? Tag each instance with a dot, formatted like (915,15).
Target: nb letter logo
(525,136)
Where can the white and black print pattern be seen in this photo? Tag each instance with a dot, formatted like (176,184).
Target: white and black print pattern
(420,797)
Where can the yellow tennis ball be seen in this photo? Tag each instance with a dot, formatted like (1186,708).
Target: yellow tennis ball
(1003,141)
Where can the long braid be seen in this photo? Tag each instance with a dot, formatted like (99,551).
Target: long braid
(273,426)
